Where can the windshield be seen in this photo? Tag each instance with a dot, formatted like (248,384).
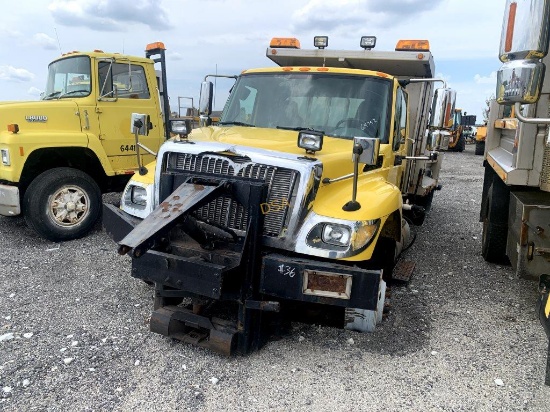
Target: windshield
(69,77)
(337,104)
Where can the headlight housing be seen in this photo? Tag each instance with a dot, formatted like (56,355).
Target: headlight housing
(5,157)
(137,199)
(346,238)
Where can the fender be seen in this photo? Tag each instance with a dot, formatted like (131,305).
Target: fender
(377,197)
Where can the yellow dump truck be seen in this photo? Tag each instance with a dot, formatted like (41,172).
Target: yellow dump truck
(298,201)
(59,154)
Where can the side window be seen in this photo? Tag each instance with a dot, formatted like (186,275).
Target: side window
(400,119)
(128,79)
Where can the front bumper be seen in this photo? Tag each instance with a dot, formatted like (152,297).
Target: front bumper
(287,278)
(9,201)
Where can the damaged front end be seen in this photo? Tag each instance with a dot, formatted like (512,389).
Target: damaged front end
(223,240)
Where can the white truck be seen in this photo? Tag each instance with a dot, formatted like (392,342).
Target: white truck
(515,208)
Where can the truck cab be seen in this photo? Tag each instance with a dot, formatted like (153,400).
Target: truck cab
(60,153)
(300,196)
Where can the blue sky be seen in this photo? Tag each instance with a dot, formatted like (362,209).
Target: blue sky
(232,35)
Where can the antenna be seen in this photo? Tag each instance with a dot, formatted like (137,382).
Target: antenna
(215,84)
(57,37)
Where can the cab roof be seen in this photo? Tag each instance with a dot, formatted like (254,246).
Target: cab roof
(99,54)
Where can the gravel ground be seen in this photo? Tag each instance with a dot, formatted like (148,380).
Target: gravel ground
(462,336)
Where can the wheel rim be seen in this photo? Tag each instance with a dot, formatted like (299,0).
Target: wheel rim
(69,206)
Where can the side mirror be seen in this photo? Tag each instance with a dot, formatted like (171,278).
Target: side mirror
(367,150)
(443,108)
(138,124)
(519,81)
(523,42)
(205,100)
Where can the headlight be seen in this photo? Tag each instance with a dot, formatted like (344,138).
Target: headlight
(343,238)
(336,235)
(138,195)
(5,157)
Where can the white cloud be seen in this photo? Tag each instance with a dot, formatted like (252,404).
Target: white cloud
(110,15)
(12,74)
(34,91)
(175,56)
(44,41)
(5,32)
(355,15)
(491,79)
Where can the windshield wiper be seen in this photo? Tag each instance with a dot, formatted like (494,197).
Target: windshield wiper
(50,96)
(73,91)
(297,129)
(236,124)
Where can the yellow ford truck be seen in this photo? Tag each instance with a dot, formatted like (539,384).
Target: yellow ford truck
(298,201)
(59,154)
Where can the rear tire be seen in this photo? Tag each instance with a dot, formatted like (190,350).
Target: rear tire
(62,204)
(480,147)
(495,223)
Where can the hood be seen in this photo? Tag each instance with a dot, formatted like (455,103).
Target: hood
(37,115)
(336,154)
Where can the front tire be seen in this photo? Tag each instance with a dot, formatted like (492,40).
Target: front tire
(461,145)
(62,204)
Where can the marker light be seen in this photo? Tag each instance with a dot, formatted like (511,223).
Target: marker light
(310,140)
(14,128)
(368,42)
(412,45)
(285,42)
(155,45)
(320,42)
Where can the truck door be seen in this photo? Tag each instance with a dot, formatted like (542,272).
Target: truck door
(123,90)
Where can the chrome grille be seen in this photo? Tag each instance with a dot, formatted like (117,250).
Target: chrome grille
(227,212)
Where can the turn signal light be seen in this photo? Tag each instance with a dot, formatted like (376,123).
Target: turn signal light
(14,128)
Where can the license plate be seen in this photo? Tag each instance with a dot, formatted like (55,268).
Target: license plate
(332,285)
